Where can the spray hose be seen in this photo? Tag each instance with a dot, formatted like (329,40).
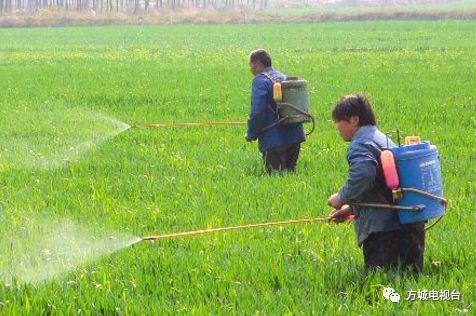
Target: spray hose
(398,194)
(290,117)
(279,121)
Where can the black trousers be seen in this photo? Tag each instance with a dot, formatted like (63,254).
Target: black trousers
(281,158)
(403,247)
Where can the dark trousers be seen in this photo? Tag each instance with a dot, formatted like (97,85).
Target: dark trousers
(281,158)
(403,247)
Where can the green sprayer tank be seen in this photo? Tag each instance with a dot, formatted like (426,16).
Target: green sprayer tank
(294,106)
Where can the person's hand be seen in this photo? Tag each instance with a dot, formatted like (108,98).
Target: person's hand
(335,201)
(341,215)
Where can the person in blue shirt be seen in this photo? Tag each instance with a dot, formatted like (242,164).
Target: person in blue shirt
(280,144)
(385,241)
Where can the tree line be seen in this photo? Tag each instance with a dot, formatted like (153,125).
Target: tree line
(135,6)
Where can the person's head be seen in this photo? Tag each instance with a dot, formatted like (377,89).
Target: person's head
(352,112)
(259,60)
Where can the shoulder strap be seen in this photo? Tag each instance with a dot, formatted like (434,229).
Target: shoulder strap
(382,190)
(267,75)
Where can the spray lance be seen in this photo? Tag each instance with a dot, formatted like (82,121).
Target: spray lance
(411,171)
(327,219)
(416,198)
(185,124)
(292,107)
(240,227)
(349,218)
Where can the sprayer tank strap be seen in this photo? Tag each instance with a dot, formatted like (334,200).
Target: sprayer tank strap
(268,75)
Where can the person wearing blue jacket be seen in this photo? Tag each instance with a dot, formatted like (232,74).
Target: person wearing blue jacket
(385,241)
(280,144)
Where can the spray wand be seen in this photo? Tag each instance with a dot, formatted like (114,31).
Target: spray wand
(183,124)
(241,227)
(280,223)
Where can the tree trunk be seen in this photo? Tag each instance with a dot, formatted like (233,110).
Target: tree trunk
(31,6)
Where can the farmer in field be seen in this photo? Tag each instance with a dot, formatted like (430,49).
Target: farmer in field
(280,144)
(384,240)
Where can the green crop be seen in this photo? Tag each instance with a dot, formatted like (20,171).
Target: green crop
(70,84)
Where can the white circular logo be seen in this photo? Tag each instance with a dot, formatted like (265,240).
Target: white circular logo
(387,292)
(395,297)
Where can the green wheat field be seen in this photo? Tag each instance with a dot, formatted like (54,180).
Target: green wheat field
(77,186)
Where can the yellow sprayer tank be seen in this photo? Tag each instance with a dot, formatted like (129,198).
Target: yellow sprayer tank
(294,106)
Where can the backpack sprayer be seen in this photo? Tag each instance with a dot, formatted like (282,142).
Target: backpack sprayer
(413,173)
(292,100)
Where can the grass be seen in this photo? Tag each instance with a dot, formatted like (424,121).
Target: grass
(420,77)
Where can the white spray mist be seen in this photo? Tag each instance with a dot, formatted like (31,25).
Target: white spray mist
(42,250)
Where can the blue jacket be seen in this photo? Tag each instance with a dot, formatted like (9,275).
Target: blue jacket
(366,184)
(263,113)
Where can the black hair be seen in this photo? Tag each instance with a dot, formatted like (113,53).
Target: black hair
(262,56)
(354,105)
